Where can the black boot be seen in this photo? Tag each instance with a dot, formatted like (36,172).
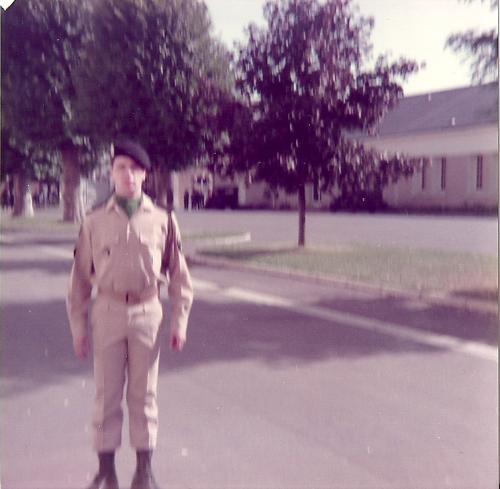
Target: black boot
(143,477)
(106,477)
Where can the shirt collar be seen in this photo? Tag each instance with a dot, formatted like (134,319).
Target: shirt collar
(146,203)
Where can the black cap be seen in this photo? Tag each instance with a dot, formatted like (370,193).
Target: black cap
(133,150)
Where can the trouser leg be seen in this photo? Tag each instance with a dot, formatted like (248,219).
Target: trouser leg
(109,372)
(143,361)
(110,357)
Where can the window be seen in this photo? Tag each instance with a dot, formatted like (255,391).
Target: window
(316,190)
(443,173)
(424,173)
(479,172)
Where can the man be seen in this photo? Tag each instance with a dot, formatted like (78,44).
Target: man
(126,249)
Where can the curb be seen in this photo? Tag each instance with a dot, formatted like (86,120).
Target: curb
(381,290)
(226,240)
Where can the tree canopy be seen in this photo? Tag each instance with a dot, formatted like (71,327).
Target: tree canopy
(41,46)
(41,42)
(77,74)
(152,72)
(480,48)
(305,79)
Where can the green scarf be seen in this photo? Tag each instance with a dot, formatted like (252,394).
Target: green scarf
(130,206)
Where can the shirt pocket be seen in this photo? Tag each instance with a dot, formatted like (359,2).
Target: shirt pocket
(107,246)
(152,248)
(105,254)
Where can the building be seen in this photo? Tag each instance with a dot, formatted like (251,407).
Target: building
(454,135)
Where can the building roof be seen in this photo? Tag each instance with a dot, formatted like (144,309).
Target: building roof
(436,111)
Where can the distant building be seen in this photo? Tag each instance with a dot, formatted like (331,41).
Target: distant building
(453,134)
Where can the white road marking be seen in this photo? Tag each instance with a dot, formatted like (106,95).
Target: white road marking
(428,338)
(203,285)
(256,297)
(56,251)
(445,342)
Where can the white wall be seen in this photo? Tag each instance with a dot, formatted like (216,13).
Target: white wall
(452,142)
(460,190)
(460,147)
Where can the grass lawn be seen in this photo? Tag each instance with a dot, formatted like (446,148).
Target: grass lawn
(462,274)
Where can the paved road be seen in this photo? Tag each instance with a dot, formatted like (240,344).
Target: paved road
(283,385)
(456,233)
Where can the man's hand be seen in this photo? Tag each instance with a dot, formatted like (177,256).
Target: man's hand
(81,346)
(177,341)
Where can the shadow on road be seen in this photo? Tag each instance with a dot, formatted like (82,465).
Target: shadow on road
(233,332)
(36,347)
(51,267)
(468,325)
(485,294)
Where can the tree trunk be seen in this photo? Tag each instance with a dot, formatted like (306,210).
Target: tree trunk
(22,199)
(160,191)
(164,187)
(169,185)
(302,215)
(72,200)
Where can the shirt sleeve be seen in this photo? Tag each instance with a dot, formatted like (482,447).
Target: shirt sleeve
(180,287)
(80,284)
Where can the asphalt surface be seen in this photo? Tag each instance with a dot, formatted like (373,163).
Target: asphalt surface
(476,234)
(454,233)
(283,384)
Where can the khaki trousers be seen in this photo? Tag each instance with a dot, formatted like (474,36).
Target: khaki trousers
(126,342)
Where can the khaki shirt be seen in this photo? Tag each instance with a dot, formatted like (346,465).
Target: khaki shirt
(122,256)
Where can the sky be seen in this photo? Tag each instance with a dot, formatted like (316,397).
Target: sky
(414,29)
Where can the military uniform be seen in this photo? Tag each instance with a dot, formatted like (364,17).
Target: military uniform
(126,260)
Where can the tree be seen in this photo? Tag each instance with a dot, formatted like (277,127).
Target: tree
(41,43)
(152,72)
(23,162)
(480,48)
(305,81)
(15,163)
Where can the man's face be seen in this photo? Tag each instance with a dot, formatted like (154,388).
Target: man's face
(127,176)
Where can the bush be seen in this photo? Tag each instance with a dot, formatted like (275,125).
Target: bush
(223,198)
(363,201)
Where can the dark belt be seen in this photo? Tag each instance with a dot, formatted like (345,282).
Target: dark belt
(129,297)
